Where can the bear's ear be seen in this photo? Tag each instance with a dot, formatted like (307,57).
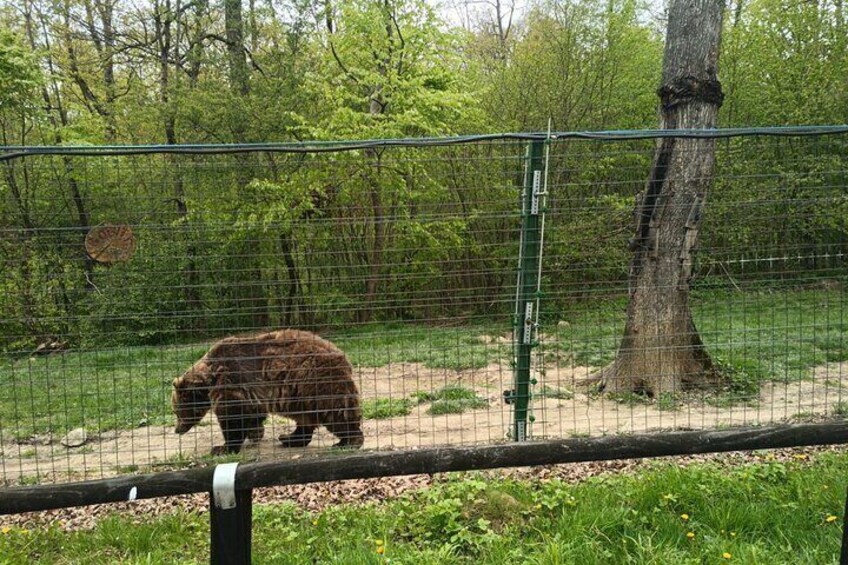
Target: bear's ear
(177,382)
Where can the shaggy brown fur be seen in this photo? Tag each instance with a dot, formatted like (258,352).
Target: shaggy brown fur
(289,372)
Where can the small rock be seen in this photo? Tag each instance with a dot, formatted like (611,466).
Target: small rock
(563,324)
(109,435)
(75,438)
(49,347)
(43,439)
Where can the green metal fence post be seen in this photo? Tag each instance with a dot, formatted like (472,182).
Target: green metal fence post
(532,199)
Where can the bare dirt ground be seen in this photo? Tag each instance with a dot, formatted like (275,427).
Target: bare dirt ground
(573,414)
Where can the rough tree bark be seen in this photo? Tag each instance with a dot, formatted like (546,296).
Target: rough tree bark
(237,61)
(377,106)
(166,28)
(661,351)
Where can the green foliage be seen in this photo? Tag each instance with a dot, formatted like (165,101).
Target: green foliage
(802,43)
(391,88)
(304,228)
(138,302)
(19,73)
(589,65)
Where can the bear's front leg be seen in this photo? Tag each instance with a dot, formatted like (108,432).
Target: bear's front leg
(257,433)
(238,422)
(300,437)
(349,434)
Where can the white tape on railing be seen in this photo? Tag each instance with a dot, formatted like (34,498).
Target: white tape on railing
(224,486)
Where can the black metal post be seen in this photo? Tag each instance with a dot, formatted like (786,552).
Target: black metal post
(843,556)
(230,530)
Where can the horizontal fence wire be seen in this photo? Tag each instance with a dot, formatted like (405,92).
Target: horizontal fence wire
(137,279)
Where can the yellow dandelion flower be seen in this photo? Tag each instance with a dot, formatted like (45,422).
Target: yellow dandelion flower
(801,456)
(314,522)
(378,541)
(381,550)
(6,529)
(726,555)
(690,535)
(733,534)
(830,518)
(684,517)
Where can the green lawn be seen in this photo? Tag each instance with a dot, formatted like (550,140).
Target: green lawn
(769,335)
(776,335)
(766,512)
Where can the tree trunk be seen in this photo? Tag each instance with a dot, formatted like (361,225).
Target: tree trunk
(661,351)
(235,47)
(163,23)
(197,31)
(377,106)
(289,317)
(375,258)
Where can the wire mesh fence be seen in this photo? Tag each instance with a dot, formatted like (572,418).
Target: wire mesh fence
(164,290)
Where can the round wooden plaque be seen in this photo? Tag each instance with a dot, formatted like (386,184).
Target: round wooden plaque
(109,244)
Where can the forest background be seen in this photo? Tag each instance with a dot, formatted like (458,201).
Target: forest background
(321,237)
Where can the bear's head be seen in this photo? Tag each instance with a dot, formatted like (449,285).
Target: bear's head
(190,398)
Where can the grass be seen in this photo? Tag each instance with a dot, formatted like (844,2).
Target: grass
(454,348)
(772,334)
(766,512)
(629,398)
(100,390)
(451,400)
(668,402)
(752,336)
(558,393)
(840,409)
(384,408)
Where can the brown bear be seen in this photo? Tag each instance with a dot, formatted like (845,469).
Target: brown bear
(289,372)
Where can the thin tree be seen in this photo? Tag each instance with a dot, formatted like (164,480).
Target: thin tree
(661,351)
